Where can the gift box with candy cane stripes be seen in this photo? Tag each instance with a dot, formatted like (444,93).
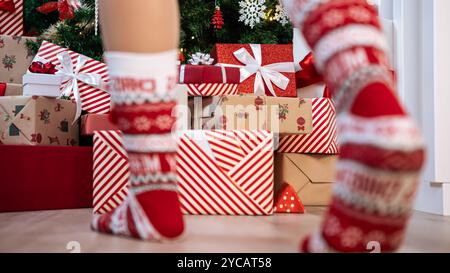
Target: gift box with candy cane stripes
(322,139)
(226,172)
(11,17)
(111,171)
(92,77)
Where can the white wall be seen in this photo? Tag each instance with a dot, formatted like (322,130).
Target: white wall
(422,58)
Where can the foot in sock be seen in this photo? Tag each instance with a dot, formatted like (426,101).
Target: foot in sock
(142,109)
(382,151)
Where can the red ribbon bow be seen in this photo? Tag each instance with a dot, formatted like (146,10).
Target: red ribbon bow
(41,68)
(308,75)
(8,6)
(64,7)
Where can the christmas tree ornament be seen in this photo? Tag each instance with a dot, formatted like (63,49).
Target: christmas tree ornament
(281,15)
(217,20)
(181,57)
(382,151)
(252,11)
(66,8)
(201,59)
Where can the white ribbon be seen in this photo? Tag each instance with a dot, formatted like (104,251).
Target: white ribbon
(71,77)
(269,74)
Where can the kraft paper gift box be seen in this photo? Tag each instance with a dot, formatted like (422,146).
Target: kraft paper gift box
(10,89)
(312,176)
(15,58)
(323,137)
(37,121)
(225,172)
(276,114)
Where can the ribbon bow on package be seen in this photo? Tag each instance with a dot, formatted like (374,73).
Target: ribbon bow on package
(265,69)
(8,6)
(308,74)
(83,79)
(42,68)
(65,8)
(72,75)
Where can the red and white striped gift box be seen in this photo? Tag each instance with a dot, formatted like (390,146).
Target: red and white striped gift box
(322,140)
(226,172)
(11,21)
(93,100)
(212,89)
(111,171)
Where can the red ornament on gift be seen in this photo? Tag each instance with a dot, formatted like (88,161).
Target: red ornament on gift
(259,102)
(301,124)
(217,20)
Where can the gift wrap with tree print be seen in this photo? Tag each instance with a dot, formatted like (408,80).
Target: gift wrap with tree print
(37,121)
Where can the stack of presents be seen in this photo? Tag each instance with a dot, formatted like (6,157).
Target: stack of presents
(256,142)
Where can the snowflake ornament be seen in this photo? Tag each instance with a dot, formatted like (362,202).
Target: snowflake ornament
(281,15)
(252,11)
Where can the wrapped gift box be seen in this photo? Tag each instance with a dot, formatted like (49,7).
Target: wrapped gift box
(226,172)
(322,139)
(211,89)
(35,84)
(45,178)
(37,121)
(111,171)
(276,59)
(96,122)
(15,58)
(208,74)
(10,89)
(311,176)
(11,17)
(93,99)
(275,114)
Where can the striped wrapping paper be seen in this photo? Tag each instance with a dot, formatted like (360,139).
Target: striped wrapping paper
(11,23)
(93,100)
(226,172)
(323,138)
(111,171)
(212,89)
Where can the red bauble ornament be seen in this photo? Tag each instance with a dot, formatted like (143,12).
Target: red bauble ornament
(217,20)
(181,57)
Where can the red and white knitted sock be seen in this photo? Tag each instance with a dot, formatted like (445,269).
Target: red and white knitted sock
(382,151)
(142,90)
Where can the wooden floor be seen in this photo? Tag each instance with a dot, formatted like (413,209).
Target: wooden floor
(51,231)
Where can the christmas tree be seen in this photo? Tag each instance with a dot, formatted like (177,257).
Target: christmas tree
(203,23)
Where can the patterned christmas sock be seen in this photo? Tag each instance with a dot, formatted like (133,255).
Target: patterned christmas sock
(142,90)
(382,151)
